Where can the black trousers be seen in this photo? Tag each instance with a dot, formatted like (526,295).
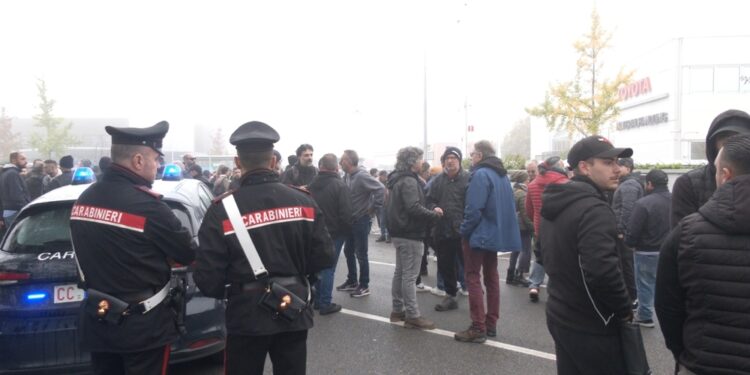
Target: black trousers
(247,354)
(580,353)
(447,252)
(147,362)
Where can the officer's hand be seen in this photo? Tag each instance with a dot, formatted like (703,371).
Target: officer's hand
(439,211)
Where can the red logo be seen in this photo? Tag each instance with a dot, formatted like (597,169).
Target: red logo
(262,218)
(108,217)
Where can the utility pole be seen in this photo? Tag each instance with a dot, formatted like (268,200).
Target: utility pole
(424,140)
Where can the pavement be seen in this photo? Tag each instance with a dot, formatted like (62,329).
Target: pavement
(361,340)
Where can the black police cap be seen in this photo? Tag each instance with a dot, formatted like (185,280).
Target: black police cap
(151,136)
(254,136)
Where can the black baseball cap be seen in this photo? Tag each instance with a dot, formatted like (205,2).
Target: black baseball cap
(151,136)
(595,146)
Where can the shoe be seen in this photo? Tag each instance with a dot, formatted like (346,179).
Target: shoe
(534,294)
(419,323)
(398,316)
(380,239)
(330,309)
(510,277)
(421,288)
(360,292)
(472,334)
(438,292)
(491,332)
(522,282)
(432,258)
(448,303)
(464,292)
(648,323)
(347,287)
(634,306)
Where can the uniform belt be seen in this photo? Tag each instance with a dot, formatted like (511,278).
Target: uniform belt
(260,285)
(148,304)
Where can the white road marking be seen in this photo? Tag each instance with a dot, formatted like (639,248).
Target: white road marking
(442,332)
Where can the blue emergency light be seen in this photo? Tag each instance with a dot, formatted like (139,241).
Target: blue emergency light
(83,175)
(36,296)
(172,172)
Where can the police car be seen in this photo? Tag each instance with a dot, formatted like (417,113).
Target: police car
(39,296)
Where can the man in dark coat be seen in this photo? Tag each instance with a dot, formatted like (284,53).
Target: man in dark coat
(13,191)
(334,199)
(66,166)
(648,226)
(302,172)
(693,189)
(587,293)
(702,283)
(35,180)
(287,229)
(125,238)
(623,200)
(448,191)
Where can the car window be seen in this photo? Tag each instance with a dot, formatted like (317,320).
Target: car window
(182,215)
(40,230)
(205,197)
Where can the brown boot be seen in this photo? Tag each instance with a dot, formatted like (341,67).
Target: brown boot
(473,334)
(398,317)
(419,323)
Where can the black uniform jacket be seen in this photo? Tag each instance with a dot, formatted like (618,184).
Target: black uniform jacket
(288,231)
(123,237)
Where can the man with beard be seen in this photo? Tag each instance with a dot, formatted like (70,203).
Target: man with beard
(66,165)
(13,192)
(301,173)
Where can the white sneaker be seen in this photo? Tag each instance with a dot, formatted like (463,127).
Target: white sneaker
(432,258)
(438,292)
(464,292)
(423,288)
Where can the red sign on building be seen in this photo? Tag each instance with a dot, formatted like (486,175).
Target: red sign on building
(635,89)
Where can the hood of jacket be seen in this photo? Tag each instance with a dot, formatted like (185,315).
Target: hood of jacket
(10,166)
(494,163)
(557,197)
(552,176)
(722,121)
(729,207)
(395,176)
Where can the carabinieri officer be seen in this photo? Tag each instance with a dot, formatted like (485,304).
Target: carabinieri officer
(288,231)
(124,238)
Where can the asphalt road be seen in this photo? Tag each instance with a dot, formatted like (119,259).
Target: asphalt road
(361,340)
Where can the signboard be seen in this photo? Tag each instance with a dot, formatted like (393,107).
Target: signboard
(655,119)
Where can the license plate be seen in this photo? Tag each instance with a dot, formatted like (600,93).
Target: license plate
(68,293)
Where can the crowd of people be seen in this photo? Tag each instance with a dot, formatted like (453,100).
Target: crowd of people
(617,247)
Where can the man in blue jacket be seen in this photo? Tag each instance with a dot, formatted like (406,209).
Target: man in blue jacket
(490,226)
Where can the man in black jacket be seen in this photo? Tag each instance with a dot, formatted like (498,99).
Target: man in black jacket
(448,191)
(287,229)
(693,189)
(334,199)
(13,192)
(302,172)
(66,166)
(125,238)
(648,226)
(587,293)
(407,222)
(702,285)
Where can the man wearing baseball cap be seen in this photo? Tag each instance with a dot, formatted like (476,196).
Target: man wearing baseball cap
(578,233)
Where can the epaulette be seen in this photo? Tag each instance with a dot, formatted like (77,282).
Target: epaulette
(218,199)
(300,188)
(148,191)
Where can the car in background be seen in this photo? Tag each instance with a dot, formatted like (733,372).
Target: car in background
(40,299)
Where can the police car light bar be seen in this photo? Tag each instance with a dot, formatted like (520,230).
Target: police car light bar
(36,296)
(83,175)
(172,172)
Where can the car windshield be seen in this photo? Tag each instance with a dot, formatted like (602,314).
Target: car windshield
(49,226)
(37,231)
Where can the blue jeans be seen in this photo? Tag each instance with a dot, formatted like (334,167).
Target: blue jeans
(537,275)
(355,251)
(382,222)
(645,282)
(459,274)
(324,286)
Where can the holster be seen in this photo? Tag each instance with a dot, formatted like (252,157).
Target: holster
(105,307)
(282,302)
